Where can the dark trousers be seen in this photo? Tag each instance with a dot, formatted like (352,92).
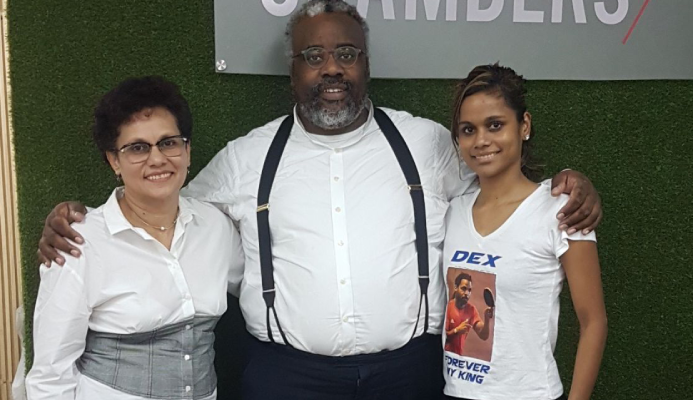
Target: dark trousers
(413,372)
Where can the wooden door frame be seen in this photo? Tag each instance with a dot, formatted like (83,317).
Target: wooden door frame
(10,263)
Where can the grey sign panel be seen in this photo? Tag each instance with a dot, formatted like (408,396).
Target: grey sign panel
(542,39)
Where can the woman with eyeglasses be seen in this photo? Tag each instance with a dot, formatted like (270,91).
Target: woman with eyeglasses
(133,317)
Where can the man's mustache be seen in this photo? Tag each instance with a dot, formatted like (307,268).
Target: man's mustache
(331,81)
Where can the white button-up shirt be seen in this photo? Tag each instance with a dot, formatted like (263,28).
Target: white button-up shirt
(342,226)
(127,282)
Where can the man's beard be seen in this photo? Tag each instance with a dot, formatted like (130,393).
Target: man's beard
(461,301)
(332,119)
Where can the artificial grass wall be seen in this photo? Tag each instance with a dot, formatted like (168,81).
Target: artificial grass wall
(633,139)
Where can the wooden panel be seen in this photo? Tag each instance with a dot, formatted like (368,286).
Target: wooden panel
(10,286)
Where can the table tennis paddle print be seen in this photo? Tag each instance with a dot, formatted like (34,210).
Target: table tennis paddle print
(488,298)
(490,302)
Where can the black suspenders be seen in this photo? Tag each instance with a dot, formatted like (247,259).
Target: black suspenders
(269,170)
(411,174)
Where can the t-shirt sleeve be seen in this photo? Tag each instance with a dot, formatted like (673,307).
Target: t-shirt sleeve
(561,239)
(448,318)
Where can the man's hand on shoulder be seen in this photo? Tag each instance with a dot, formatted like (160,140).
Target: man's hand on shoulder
(57,231)
(583,211)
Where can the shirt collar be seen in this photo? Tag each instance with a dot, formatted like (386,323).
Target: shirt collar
(116,221)
(356,135)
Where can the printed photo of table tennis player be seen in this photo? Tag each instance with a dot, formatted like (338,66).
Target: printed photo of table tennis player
(469,316)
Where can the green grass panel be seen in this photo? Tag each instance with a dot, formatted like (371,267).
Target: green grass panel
(633,139)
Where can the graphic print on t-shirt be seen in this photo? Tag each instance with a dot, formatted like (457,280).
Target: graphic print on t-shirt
(466,333)
(469,323)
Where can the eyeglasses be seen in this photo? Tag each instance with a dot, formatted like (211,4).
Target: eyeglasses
(316,57)
(138,152)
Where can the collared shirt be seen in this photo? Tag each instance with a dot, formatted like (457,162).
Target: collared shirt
(342,226)
(127,282)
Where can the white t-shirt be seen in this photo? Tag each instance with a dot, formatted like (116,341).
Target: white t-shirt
(519,264)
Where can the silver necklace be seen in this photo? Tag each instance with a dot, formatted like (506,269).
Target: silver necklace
(159,228)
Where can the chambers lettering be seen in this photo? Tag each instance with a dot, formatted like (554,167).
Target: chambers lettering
(609,12)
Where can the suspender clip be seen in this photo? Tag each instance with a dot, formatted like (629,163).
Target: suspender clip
(415,187)
(423,284)
(263,207)
(268,296)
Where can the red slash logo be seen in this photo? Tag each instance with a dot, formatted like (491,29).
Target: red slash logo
(642,10)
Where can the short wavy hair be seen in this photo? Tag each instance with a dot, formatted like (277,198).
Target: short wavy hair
(130,97)
(317,7)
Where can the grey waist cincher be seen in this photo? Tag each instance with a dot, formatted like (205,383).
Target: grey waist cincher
(173,362)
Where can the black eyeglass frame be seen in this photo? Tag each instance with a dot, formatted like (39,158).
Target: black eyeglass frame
(150,146)
(329,53)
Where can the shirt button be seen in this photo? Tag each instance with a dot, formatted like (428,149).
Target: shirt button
(345,319)
(187,297)
(338,209)
(187,388)
(188,327)
(187,357)
(340,243)
(337,150)
(336,179)
(343,281)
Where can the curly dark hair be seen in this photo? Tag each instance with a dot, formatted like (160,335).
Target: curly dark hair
(132,96)
(462,275)
(508,84)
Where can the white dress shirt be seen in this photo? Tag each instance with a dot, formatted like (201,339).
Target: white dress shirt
(127,282)
(342,226)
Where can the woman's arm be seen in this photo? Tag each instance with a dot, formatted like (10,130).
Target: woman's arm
(61,321)
(581,265)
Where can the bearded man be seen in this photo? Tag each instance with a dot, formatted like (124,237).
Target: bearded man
(462,316)
(343,298)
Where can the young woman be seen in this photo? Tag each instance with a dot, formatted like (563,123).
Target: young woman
(133,317)
(506,259)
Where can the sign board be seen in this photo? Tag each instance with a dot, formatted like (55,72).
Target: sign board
(542,39)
